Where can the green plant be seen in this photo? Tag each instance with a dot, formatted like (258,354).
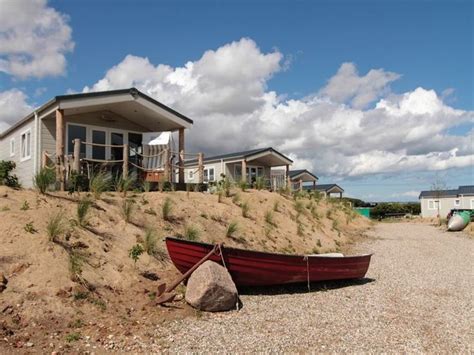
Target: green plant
(75,265)
(135,252)
(99,303)
(80,295)
(269,218)
(5,177)
(259,183)
(245,209)
(25,206)
(99,183)
(5,209)
(78,182)
(314,212)
(191,232)
(83,207)
(226,186)
(236,198)
(243,185)
(299,207)
(318,243)
(300,229)
(78,323)
(276,206)
(146,186)
(150,211)
(30,228)
(44,179)
(329,214)
(166,209)
(231,229)
(73,337)
(150,241)
(220,194)
(128,206)
(55,225)
(123,184)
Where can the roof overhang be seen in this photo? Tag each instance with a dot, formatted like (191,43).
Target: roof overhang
(304,176)
(269,157)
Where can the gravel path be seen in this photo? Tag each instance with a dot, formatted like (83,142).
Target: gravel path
(418,298)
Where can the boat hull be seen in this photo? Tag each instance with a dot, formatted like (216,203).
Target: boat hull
(459,221)
(253,268)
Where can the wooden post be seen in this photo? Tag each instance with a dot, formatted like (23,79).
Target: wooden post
(167,165)
(77,155)
(288,180)
(44,159)
(314,185)
(125,161)
(200,168)
(301,185)
(60,149)
(181,156)
(244,170)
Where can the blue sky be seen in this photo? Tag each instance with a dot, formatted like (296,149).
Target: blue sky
(427,44)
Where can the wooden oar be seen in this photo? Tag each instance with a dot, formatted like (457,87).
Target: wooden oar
(164,293)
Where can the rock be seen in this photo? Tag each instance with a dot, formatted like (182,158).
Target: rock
(3,279)
(210,288)
(150,275)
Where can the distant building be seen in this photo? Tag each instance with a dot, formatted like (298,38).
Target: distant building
(327,190)
(443,201)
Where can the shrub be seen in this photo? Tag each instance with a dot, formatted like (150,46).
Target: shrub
(243,185)
(231,229)
(135,252)
(259,183)
(30,228)
(191,232)
(276,206)
(25,206)
(78,182)
(44,179)
(146,186)
(299,207)
(73,337)
(123,184)
(269,218)
(99,183)
(150,241)
(236,199)
(75,265)
(166,209)
(245,209)
(55,225)
(83,207)
(226,186)
(127,209)
(5,177)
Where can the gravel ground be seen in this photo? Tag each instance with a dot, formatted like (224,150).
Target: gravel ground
(417,298)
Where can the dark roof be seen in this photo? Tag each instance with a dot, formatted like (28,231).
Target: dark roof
(323,187)
(462,190)
(294,173)
(132,91)
(239,155)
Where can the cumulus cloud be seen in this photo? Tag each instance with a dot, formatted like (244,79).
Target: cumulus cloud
(13,106)
(353,126)
(34,39)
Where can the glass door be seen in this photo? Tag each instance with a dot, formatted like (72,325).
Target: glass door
(98,137)
(116,153)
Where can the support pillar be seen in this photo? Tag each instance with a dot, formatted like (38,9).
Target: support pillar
(301,185)
(314,185)
(60,149)
(244,170)
(125,161)
(288,180)
(181,156)
(200,168)
(77,155)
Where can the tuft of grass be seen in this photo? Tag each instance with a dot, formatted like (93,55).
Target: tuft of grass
(55,225)
(269,218)
(83,207)
(166,209)
(25,206)
(73,337)
(76,262)
(299,206)
(146,186)
(318,243)
(44,179)
(5,209)
(243,185)
(236,199)
(80,295)
(335,225)
(98,184)
(231,229)
(314,212)
(150,211)
(128,206)
(276,206)
(191,232)
(123,184)
(150,240)
(135,252)
(329,214)
(220,195)
(226,186)
(30,228)
(245,210)
(300,229)
(260,183)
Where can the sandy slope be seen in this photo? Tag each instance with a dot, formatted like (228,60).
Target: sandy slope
(43,306)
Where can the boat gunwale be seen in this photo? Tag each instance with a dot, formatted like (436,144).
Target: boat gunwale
(184,241)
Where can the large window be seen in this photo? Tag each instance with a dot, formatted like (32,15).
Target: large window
(98,151)
(76,132)
(208,174)
(433,204)
(25,145)
(116,152)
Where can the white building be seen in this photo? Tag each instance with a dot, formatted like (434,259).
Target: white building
(442,201)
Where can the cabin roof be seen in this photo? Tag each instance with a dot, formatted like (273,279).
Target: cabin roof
(461,190)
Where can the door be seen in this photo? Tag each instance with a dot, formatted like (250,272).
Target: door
(98,151)
(116,153)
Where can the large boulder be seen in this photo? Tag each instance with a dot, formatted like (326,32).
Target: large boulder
(210,288)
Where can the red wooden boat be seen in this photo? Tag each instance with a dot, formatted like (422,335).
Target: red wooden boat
(254,268)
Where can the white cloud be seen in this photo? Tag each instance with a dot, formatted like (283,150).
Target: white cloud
(13,106)
(34,39)
(334,132)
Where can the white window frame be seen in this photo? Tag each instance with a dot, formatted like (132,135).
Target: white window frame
(206,174)
(12,147)
(434,204)
(25,133)
(191,174)
(457,202)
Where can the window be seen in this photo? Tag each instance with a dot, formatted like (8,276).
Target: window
(116,153)
(98,151)
(25,145)
(76,132)
(190,174)
(12,147)
(238,172)
(208,174)
(433,204)
(457,203)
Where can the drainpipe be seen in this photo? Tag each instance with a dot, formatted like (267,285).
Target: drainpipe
(222,168)
(37,145)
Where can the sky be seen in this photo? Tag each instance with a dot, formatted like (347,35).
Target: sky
(376,96)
